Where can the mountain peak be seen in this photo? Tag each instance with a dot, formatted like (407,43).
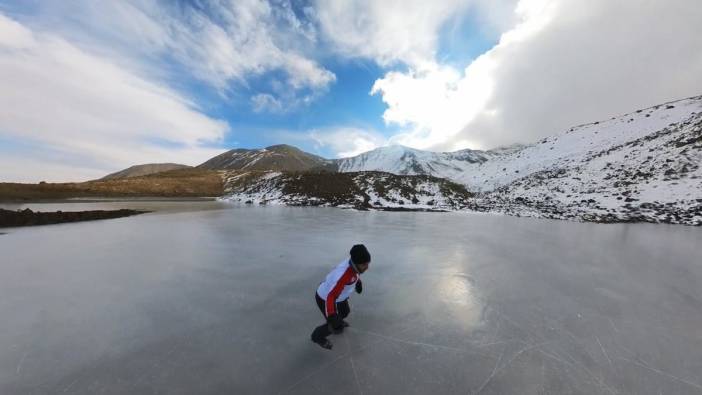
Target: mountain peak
(282,147)
(396,148)
(279,157)
(400,159)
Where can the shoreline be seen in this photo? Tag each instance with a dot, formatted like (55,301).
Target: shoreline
(27,217)
(108,199)
(525,212)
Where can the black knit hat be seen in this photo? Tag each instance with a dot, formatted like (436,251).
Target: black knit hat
(359,254)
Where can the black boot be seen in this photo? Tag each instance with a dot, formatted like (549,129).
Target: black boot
(324,343)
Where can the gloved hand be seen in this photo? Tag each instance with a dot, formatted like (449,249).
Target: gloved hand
(359,286)
(336,324)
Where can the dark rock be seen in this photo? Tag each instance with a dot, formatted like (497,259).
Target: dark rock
(27,217)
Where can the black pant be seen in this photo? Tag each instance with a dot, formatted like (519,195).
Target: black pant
(322,331)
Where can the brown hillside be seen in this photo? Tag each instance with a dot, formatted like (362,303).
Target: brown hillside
(144,170)
(176,183)
(276,157)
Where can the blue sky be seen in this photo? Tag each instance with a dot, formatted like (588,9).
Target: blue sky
(92,87)
(345,101)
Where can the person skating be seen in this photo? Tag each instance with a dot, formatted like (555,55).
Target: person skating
(333,293)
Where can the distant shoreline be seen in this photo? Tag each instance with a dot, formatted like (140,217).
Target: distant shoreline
(110,199)
(179,184)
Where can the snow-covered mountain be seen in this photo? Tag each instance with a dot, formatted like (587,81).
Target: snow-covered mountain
(398,159)
(488,170)
(580,144)
(641,166)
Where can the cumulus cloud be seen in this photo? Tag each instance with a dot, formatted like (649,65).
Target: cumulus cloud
(223,43)
(346,141)
(433,102)
(387,31)
(564,62)
(246,41)
(88,112)
(332,141)
(96,85)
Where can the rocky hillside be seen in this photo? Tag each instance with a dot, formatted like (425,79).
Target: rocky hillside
(144,170)
(646,173)
(363,190)
(642,166)
(276,157)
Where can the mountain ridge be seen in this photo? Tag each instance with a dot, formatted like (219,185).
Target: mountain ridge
(603,171)
(640,166)
(275,157)
(143,170)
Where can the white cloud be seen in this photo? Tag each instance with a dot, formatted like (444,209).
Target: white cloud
(433,102)
(557,63)
(247,41)
(331,142)
(387,31)
(346,141)
(223,43)
(430,99)
(90,112)
(565,62)
(13,35)
(20,168)
(306,73)
(265,102)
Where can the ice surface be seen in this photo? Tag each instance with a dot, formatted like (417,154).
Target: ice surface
(221,301)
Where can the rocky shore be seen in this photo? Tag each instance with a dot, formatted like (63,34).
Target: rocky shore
(27,217)
(679,213)
(360,190)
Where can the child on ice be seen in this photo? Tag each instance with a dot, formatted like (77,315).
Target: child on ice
(333,293)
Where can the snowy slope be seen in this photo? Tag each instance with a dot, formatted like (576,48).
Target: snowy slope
(363,190)
(642,166)
(398,159)
(578,144)
(654,177)
(488,170)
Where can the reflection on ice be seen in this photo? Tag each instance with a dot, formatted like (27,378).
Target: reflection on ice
(455,289)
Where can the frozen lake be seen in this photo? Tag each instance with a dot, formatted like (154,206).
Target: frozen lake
(205,297)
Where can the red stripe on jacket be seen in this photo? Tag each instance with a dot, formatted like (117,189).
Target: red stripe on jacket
(336,291)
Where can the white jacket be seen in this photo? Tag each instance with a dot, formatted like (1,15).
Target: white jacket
(338,285)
